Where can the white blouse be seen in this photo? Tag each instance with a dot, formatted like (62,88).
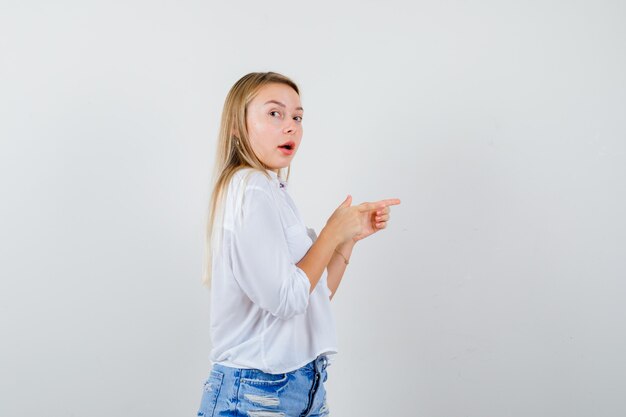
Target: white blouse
(262,315)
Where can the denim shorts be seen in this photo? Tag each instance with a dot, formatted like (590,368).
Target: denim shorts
(239,392)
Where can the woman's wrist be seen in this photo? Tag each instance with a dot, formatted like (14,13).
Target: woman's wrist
(330,237)
(345,259)
(344,250)
(346,246)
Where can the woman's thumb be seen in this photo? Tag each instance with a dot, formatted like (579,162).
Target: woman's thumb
(347,201)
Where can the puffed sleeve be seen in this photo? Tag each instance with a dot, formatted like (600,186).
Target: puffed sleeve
(260,258)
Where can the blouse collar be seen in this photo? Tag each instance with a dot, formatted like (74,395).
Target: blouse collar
(276,179)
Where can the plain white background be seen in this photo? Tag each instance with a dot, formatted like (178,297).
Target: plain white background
(498,287)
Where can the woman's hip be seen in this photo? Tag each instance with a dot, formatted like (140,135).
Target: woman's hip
(253,393)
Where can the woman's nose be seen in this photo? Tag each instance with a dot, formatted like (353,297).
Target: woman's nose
(290,127)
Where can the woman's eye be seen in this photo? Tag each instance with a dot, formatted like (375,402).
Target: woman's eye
(274,111)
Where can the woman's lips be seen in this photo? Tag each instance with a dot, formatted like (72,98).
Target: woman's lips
(288,147)
(286,151)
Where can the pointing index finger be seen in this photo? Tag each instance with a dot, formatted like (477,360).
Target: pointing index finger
(390,201)
(379,204)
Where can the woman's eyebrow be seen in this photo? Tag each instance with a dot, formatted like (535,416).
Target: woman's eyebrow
(281,104)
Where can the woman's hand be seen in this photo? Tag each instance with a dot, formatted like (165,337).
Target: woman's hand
(375,219)
(358,222)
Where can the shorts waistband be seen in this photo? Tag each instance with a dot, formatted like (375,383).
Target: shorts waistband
(318,365)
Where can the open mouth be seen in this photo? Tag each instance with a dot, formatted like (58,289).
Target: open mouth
(289,145)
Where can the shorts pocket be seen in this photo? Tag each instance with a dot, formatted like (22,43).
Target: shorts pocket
(259,392)
(260,378)
(210,392)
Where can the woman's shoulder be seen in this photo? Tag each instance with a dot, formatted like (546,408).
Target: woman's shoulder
(251,178)
(244,186)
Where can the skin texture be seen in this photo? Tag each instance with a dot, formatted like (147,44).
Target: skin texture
(271,125)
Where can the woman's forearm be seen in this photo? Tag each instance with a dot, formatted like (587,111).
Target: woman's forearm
(337,266)
(318,257)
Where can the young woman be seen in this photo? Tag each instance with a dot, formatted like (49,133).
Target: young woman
(271,277)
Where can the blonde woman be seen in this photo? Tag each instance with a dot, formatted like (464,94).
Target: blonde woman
(271,278)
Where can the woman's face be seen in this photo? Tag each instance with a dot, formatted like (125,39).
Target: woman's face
(274,119)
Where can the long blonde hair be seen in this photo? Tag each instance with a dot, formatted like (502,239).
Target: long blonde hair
(234,152)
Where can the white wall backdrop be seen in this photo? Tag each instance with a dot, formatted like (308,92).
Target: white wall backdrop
(498,288)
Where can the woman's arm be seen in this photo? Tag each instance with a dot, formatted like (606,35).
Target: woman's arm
(318,256)
(337,265)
